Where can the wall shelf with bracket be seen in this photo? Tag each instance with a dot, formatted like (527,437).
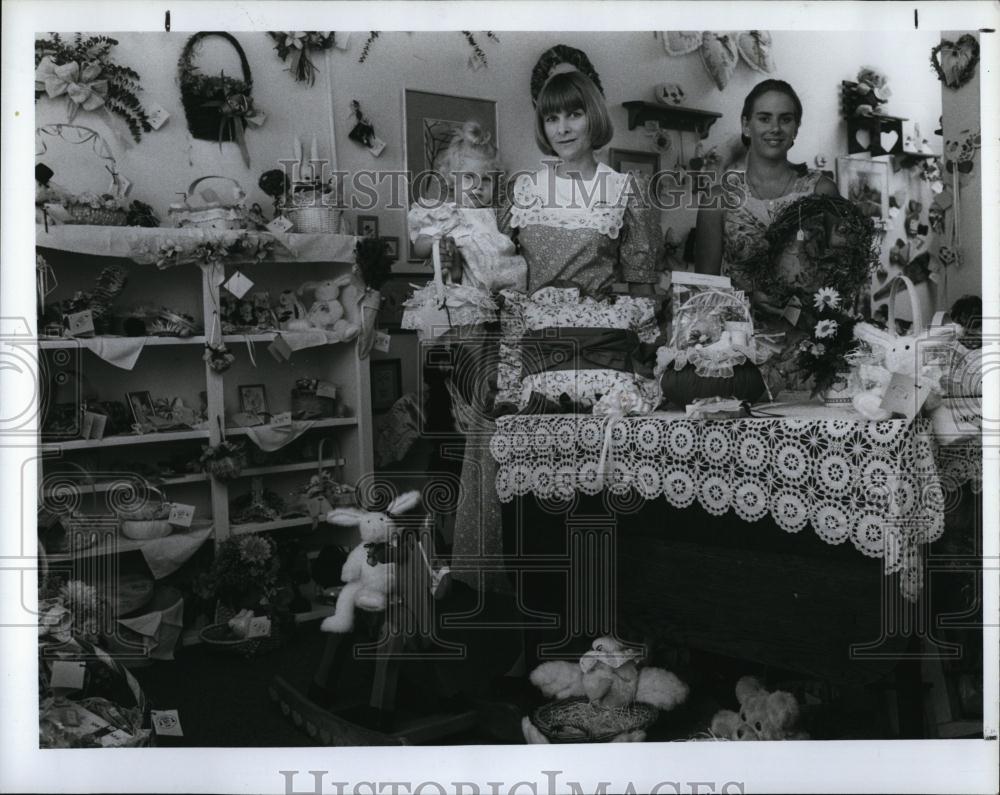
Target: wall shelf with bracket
(671,117)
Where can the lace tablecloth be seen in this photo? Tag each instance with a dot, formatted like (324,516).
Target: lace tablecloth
(875,484)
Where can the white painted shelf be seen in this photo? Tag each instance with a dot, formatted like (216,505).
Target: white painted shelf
(303,466)
(118,441)
(264,527)
(330,422)
(100,487)
(116,546)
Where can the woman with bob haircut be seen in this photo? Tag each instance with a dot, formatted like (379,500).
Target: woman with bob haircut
(576,221)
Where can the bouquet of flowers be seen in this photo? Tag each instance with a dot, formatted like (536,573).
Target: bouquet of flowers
(824,353)
(224,460)
(244,572)
(295,46)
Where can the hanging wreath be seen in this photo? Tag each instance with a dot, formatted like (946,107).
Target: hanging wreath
(955,61)
(556,56)
(84,73)
(838,247)
(476,61)
(295,46)
(217,107)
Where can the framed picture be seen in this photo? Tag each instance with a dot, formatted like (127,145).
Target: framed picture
(391,247)
(629,161)
(367,226)
(253,399)
(141,406)
(866,183)
(387,383)
(429,120)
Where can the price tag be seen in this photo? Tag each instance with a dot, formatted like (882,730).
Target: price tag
(791,314)
(282,420)
(166,722)
(79,323)
(904,396)
(238,284)
(280,349)
(326,389)
(377,145)
(382,340)
(260,627)
(58,213)
(181,515)
(157,115)
(68,675)
(279,225)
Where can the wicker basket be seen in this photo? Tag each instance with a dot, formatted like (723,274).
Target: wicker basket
(220,636)
(313,220)
(213,215)
(146,529)
(575,720)
(96,216)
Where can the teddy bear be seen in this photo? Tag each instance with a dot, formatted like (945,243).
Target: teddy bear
(327,312)
(291,312)
(370,570)
(763,715)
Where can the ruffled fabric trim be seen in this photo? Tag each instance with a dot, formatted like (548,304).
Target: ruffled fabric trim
(463,306)
(531,206)
(563,307)
(586,386)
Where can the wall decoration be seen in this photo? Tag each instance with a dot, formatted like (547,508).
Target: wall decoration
(217,107)
(367,226)
(561,58)
(295,46)
(476,61)
(363,131)
(391,247)
(721,52)
(626,161)
(84,73)
(955,62)
(866,183)
(428,123)
(387,383)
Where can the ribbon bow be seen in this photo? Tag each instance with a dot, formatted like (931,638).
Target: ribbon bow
(236,111)
(381,552)
(79,84)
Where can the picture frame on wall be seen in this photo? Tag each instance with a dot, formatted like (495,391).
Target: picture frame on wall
(631,161)
(429,121)
(367,226)
(387,383)
(391,247)
(866,183)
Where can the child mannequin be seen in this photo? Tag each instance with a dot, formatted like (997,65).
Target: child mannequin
(466,224)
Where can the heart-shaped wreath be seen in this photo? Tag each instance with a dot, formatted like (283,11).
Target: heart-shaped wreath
(955,62)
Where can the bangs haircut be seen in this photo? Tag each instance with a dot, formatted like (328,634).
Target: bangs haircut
(566,92)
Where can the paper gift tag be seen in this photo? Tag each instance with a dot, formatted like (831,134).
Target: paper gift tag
(157,115)
(260,627)
(58,213)
(93,425)
(341,40)
(377,145)
(382,340)
(166,722)
(79,323)
(326,389)
(68,675)
(904,396)
(181,515)
(279,349)
(238,284)
(279,225)
(282,420)
(791,314)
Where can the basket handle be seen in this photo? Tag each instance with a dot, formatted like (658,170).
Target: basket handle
(188,52)
(911,291)
(193,185)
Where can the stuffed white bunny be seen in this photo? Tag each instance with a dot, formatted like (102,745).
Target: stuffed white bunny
(370,572)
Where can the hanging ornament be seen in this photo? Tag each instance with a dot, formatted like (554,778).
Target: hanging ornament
(955,62)
(755,47)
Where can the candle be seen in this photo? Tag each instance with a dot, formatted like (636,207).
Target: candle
(314,157)
(297,149)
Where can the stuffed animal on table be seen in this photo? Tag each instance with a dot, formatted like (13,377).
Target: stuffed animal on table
(327,312)
(370,571)
(763,715)
(609,677)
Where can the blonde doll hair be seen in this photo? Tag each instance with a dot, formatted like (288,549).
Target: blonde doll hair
(468,143)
